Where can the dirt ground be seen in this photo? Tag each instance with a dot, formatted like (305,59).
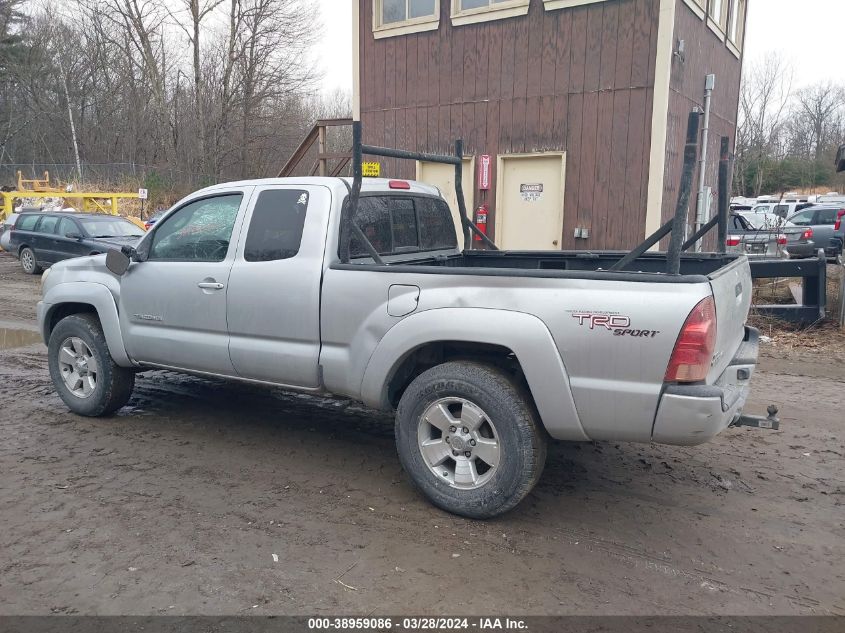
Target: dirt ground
(208,498)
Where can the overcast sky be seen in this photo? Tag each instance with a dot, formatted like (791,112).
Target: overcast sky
(807,33)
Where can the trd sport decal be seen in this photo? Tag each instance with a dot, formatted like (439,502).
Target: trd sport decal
(619,324)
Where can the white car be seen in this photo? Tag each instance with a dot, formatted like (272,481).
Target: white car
(5,231)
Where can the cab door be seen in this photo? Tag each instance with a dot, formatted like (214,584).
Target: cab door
(274,288)
(173,304)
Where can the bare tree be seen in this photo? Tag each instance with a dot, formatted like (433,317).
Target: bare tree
(763,101)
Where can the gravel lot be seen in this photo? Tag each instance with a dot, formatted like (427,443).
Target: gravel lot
(208,498)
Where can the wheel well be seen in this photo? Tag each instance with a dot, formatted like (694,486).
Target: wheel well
(436,353)
(66,310)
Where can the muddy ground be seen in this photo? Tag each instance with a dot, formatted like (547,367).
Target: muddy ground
(208,498)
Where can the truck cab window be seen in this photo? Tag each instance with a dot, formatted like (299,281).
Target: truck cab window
(404,225)
(275,230)
(404,221)
(200,231)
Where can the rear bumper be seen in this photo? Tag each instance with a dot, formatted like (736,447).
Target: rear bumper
(694,414)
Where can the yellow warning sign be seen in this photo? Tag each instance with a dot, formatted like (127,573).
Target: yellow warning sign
(371,170)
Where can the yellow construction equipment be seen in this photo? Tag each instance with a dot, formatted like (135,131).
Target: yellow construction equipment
(36,184)
(88,202)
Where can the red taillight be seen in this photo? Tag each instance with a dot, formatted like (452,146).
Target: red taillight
(147,226)
(838,225)
(807,234)
(781,240)
(732,241)
(690,361)
(399,184)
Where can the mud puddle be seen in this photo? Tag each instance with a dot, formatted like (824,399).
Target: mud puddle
(11,338)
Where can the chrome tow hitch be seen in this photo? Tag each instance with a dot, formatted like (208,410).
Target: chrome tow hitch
(772,422)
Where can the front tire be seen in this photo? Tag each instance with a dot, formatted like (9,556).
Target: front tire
(28,262)
(469,439)
(82,369)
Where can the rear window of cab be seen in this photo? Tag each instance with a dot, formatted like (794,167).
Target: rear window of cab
(403,224)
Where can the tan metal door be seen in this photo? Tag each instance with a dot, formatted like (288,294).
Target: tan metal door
(443,177)
(529,202)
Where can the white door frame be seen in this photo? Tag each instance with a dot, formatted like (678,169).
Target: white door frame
(500,171)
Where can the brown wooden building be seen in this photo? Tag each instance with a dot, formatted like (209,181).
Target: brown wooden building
(580,105)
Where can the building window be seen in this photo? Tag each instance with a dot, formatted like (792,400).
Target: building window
(401,17)
(736,25)
(472,11)
(552,5)
(719,14)
(699,7)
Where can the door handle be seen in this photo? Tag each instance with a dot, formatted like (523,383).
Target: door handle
(210,285)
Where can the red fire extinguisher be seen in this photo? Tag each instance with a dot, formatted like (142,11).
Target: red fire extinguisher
(481,220)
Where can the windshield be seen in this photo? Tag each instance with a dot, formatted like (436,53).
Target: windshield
(110,227)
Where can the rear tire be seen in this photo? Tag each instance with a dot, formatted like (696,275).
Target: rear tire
(28,262)
(82,369)
(469,438)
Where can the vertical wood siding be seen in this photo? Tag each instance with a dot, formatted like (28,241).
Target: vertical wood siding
(705,54)
(578,80)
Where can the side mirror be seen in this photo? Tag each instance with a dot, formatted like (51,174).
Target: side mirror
(73,235)
(117,262)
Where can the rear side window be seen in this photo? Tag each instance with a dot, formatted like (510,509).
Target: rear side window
(275,230)
(826,216)
(48,224)
(803,219)
(403,225)
(26,222)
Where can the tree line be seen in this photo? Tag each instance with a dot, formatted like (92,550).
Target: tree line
(219,89)
(787,138)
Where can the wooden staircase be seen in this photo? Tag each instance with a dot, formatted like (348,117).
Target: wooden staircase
(320,167)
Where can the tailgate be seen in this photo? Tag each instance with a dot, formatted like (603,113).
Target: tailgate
(732,293)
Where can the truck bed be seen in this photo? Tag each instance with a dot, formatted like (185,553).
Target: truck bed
(695,268)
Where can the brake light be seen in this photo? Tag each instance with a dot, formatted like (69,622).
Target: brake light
(838,225)
(732,241)
(399,184)
(690,361)
(807,234)
(781,240)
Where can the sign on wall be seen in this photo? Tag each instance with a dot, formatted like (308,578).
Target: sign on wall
(484,172)
(371,170)
(531,192)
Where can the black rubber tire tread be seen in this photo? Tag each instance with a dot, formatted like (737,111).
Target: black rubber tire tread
(36,269)
(522,438)
(114,383)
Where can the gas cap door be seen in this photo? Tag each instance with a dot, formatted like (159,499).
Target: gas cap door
(402,300)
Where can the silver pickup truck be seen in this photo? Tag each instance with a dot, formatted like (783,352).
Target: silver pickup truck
(484,355)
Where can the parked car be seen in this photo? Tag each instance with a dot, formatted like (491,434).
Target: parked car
(819,226)
(757,242)
(781,209)
(6,230)
(40,240)
(483,355)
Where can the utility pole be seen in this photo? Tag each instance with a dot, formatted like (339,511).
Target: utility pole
(704,192)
